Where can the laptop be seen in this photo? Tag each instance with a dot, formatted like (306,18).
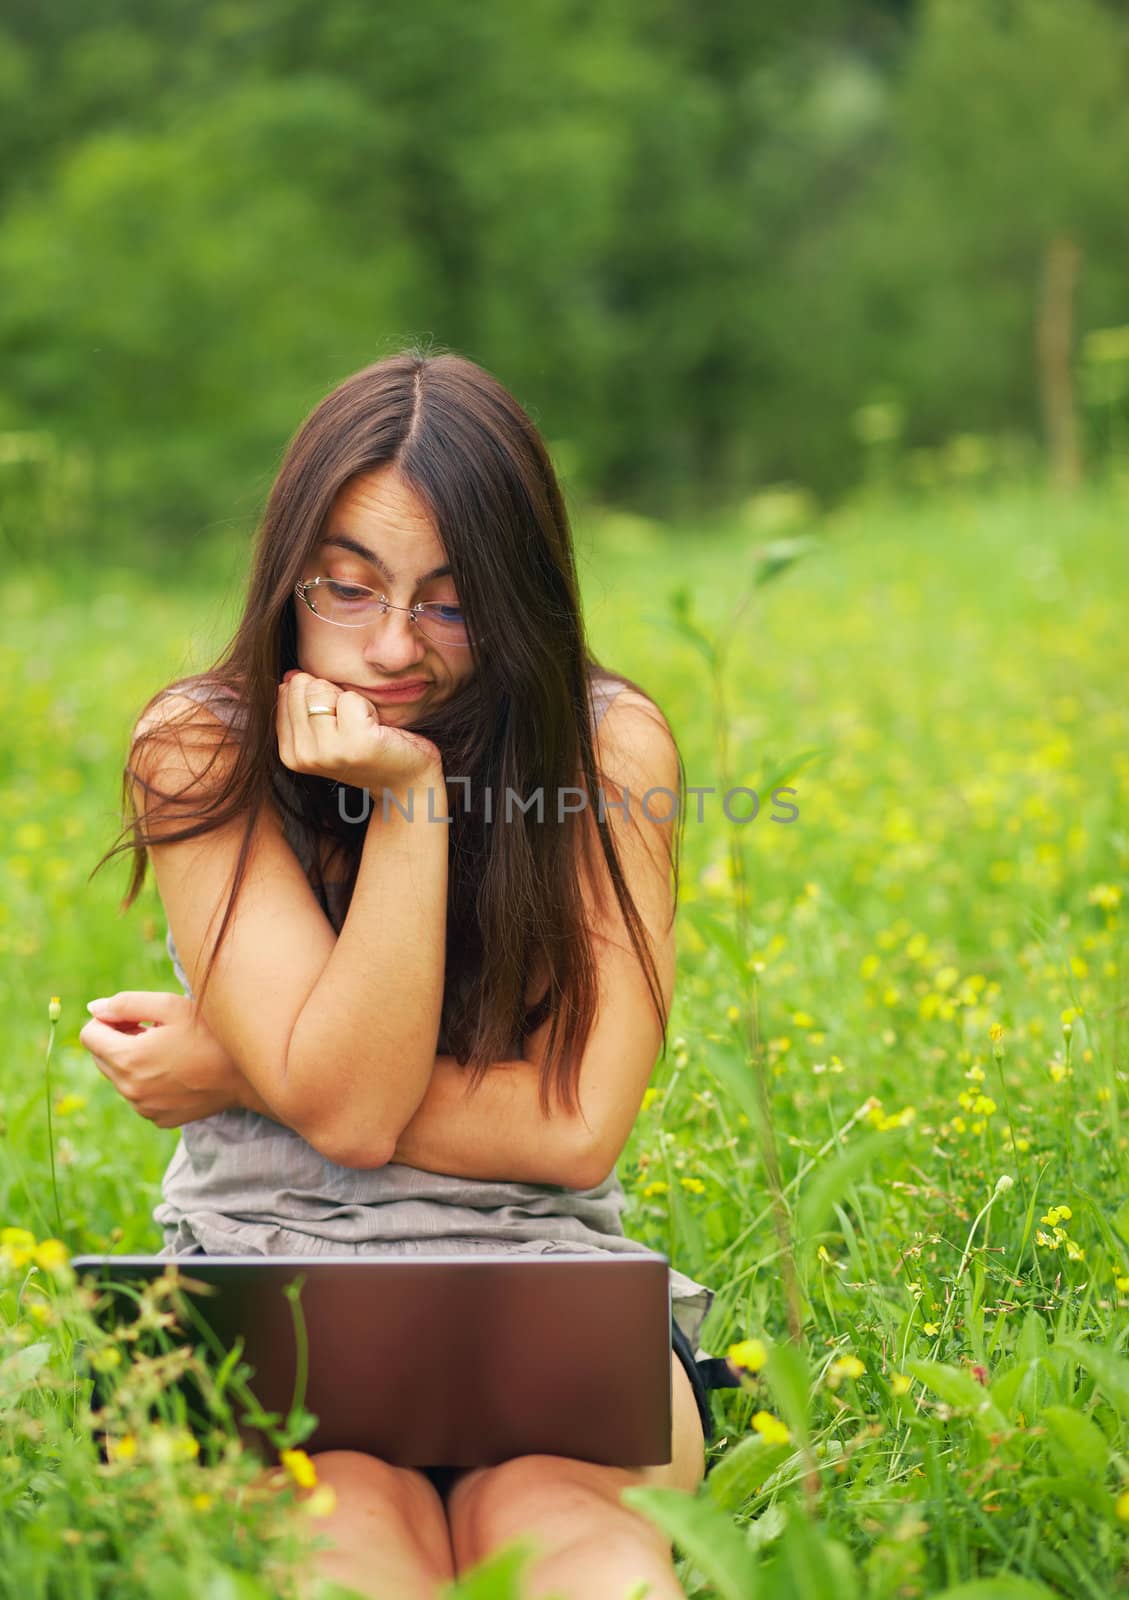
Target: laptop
(434,1360)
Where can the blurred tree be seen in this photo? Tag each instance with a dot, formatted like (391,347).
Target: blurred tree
(693,237)
(1008,147)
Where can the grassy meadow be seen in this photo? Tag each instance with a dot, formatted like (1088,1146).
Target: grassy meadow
(891,1129)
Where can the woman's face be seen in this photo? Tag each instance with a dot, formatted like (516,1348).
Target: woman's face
(380,533)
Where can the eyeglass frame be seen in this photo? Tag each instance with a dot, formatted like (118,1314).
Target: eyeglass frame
(420,605)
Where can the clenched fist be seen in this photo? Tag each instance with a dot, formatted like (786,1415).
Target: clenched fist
(351,746)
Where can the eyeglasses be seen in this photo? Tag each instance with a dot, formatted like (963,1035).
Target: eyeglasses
(352,605)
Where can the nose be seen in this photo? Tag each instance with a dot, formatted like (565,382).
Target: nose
(394,642)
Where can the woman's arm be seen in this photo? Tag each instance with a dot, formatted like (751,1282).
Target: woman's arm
(315,1021)
(498,1131)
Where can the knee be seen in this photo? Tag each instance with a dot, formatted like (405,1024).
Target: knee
(554,1499)
(357,1476)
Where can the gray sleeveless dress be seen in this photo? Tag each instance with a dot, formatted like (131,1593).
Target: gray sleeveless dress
(241,1184)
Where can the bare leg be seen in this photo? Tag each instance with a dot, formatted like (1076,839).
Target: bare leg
(389,1530)
(591,1547)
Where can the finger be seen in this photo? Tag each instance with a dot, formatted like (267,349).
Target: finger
(294,722)
(104,1039)
(138,1005)
(315,737)
(106,1068)
(355,709)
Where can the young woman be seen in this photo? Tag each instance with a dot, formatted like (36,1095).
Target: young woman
(418,1015)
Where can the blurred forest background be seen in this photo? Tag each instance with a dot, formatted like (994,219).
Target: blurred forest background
(713,247)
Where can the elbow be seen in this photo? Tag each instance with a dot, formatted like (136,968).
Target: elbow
(589,1167)
(344,1142)
(344,1148)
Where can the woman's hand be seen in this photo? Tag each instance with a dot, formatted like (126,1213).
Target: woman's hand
(353,747)
(173,1072)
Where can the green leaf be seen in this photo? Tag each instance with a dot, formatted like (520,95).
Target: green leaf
(1111,1372)
(790,768)
(232,1585)
(19,1371)
(815,1565)
(715,934)
(831,1182)
(774,559)
(1081,1442)
(1071,1486)
(742,1470)
(786,1371)
(496,1578)
(705,1534)
(1032,1339)
(1004,1587)
(1016,1390)
(957,1388)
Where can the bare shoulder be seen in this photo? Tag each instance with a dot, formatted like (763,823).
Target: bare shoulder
(635,740)
(181,743)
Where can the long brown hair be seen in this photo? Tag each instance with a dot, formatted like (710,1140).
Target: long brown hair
(521,719)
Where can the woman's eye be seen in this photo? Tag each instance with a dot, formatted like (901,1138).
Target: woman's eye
(347,591)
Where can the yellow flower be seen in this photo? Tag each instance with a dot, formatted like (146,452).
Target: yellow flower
(1074,1251)
(803,1020)
(323,1501)
(983,1105)
(69,1103)
(1106,895)
(106,1359)
(649,1098)
(733,1014)
(750,1354)
(54,1008)
(694,1185)
(201,1502)
(900,1384)
(845,1367)
(51,1255)
(1122,1285)
(996,1031)
(123,1449)
(171,1444)
(1057,1214)
(652,1189)
(1058,1071)
(770,1428)
(930,1328)
(975,1074)
(17,1246)
(300,1468)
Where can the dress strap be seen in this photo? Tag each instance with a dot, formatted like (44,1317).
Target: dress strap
(603,691)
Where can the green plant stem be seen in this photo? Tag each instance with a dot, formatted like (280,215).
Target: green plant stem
(51,1129)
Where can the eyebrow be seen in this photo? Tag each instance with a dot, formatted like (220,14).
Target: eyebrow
(345,542)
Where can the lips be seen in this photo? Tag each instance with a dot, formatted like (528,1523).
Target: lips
(389,688)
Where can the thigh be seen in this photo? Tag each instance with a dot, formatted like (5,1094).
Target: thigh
(486,1506)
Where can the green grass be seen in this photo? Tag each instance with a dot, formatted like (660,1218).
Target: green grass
(943,685)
